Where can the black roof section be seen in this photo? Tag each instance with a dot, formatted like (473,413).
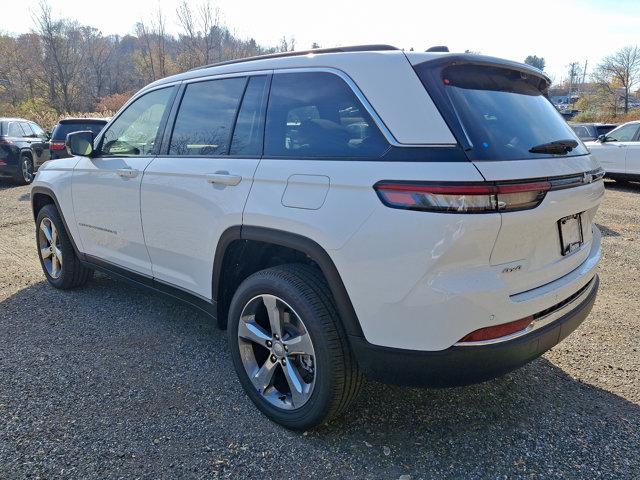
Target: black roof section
(353,48)
(84,120)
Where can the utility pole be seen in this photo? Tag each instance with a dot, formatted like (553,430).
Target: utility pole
(573,73)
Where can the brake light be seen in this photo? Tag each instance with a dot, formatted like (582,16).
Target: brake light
(497,331)
(5,141)
(462,197)
(57,146)
(3,163)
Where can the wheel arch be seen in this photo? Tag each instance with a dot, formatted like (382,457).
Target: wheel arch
(229,249)
(42,196)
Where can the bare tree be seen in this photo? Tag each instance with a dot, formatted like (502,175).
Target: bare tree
(202,33)
(620,70)
(63,57)
(153,59)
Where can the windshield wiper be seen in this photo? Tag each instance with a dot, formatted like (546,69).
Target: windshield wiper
(557,147)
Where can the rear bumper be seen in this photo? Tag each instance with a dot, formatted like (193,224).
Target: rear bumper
(463,365)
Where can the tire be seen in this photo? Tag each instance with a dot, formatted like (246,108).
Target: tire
(336,380)
(60,265)
(25,175)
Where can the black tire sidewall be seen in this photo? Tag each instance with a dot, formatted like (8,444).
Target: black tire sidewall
(68,254)
(318,406)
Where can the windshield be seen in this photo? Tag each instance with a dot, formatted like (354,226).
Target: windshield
(504,113)
(61,130)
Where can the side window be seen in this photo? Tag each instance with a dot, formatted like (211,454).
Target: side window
(40,133)
(316,114)
(581,131)
(205,118)
(14,130)
(26,128)
(134,132)
(625,133)
(247,134)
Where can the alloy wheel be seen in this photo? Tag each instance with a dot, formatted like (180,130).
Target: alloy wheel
(50,249)
(277,352)
(27,170)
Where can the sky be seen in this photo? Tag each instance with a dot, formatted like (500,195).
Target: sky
(561,31)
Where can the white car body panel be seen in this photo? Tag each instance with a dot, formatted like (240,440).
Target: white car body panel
(107,211)
(184,215)
(610,155)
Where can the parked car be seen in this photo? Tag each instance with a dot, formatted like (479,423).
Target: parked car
(442,241)
(23,148)
(591,131)
(69,125)
(619,152)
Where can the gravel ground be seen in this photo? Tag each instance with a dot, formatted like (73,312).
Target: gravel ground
(111,382)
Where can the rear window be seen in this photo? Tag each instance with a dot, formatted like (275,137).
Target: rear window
(604,129)
(503,112)
(61,130)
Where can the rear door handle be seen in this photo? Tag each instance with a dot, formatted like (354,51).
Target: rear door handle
(127,172)
(224,178)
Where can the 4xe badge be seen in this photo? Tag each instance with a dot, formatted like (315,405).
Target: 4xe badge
(512,269)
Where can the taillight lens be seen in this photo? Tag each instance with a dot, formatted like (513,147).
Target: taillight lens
(57,146)
(462,198)
(497,331)
(5,141)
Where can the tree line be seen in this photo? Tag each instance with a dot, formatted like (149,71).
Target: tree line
(63,66)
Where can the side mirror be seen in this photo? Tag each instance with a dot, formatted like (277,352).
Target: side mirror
(602,138)
(80,143)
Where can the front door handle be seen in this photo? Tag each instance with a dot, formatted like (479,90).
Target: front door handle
(127,172)
(224,178)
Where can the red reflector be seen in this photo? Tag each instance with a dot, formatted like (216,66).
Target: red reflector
(57,146)
(497,331)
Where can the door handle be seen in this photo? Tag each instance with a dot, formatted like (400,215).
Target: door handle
(224,178)
(127,172)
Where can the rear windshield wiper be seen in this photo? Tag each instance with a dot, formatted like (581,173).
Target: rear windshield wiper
(557,146)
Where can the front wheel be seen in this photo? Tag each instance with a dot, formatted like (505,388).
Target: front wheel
(58,259)
(289,349)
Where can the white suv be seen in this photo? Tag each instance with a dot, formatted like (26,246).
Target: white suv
(422,218)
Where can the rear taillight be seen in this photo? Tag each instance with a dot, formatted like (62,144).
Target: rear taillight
(57,146)
(497,331)
(462,197)
(3,163)
(5,141)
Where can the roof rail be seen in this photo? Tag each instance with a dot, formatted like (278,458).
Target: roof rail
(353,48)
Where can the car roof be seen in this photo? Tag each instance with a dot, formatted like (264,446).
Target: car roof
(15,119)
(336,58)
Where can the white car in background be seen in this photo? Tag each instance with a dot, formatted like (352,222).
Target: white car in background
(619,151)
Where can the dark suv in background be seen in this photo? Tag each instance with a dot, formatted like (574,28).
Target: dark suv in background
(24,146)
(70,125)
(591,131)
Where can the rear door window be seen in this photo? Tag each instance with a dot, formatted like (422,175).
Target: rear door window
(247,134)
(26,128)
(204,122)
(317,115)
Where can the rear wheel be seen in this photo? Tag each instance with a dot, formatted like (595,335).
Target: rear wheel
(25,175)
(288,347)
(59,262)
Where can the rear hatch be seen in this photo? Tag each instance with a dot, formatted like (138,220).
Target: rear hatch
(499,113)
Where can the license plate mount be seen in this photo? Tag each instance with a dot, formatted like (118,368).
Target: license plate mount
(570,229)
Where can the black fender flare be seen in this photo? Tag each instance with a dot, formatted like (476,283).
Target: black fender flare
(296,242)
